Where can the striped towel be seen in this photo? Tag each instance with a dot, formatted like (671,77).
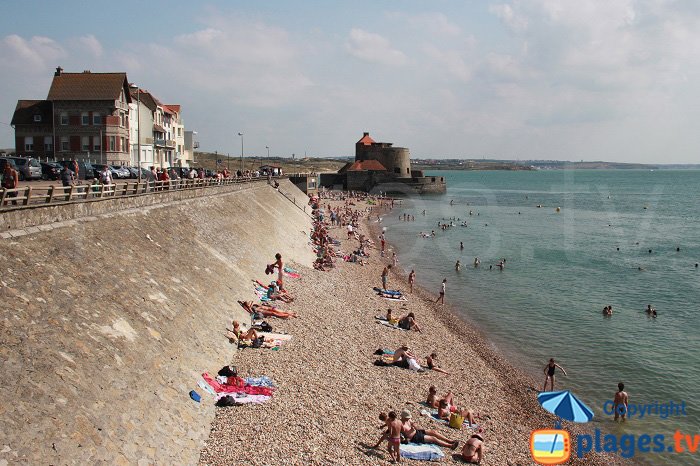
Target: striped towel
(421,452)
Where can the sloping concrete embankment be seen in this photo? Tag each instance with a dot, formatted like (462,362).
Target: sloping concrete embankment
(106,324)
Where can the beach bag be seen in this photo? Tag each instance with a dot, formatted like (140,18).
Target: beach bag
(265,327)
(228,371)
(258,342)
(456,420)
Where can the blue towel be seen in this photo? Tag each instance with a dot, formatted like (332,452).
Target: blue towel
(422,452)
(262,381)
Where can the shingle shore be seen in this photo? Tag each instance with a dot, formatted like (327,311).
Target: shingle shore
(329,393)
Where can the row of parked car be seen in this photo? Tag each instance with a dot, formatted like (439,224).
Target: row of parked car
(30,168)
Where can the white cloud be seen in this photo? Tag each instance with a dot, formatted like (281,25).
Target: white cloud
(35,53)
(507,14)
(92,45)
(374,48)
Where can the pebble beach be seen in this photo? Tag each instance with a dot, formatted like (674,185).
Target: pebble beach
(329,393)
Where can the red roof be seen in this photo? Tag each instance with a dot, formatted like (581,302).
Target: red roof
(366,140)
(88,86)
(367,165)
(174,108)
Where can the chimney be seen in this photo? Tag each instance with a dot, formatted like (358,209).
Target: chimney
(86,71)
(365,134)
(58,72)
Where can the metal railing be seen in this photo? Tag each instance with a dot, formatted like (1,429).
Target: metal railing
(46,195)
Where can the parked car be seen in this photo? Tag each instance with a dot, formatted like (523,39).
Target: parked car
(210,173)
(28,168)
(133,172)
(122,172)
(51,171)
(85,169)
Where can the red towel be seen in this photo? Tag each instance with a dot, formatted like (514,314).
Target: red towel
(237,386)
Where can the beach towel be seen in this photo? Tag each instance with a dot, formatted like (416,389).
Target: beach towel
(243,398)
(262,381)
(383,321)
(204,386)
(387,292)
(275,336)
(421,452)
(226,388)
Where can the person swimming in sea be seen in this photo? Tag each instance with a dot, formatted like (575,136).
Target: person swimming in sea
(607,311)
(620,402)
(458,266)
(476,262)
(651,312)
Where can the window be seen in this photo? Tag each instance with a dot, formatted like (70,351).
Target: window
(85,143)
(121,119)
(48,143)
(96,144)
(96,119)
(84,119)
(28,143)
(37,118)
(64,143)
(112,143)
(397,170)
(64,119)
(179,132)
(123,145)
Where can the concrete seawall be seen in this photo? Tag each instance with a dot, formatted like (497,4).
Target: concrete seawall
(107,322)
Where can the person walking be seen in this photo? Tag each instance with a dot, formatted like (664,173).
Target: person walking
(411,279)
(441,298)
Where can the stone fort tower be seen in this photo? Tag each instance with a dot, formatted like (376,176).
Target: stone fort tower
(396,160)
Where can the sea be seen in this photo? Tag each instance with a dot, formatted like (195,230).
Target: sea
(575,241)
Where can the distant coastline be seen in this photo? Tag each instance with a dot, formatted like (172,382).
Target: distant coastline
(542,165)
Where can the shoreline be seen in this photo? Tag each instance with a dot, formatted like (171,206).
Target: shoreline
(330,394)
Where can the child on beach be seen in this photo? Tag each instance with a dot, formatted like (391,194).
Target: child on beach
(441,298)
(394,446)
(549,373)
(431,362)
(620,402)
(385,435)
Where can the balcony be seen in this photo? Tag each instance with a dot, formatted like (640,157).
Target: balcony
(170,143)
(195,145)
(121,105)
(159,142)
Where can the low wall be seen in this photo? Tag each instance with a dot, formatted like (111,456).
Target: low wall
(107,323)
(42,214)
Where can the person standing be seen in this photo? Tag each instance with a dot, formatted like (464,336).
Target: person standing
(411,279)
(280,269)
(383,242)
(67,177)
(549,370)
(461,246)
(385,276)
(441,298)
(620,402)
(394,259)
(106,176)
(10,180)
(76,170)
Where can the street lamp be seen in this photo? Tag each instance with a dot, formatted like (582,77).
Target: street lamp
(138,127)
(241,135)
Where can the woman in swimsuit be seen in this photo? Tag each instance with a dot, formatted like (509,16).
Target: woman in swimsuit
(431,362)
(412,434)
(240,335)
(473,450)
(267,311)
(549,373)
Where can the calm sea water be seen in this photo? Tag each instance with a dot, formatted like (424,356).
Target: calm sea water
(563,268)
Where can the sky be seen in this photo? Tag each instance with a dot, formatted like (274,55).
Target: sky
(521,79)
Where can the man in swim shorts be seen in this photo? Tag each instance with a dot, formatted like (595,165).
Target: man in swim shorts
(620,402)
(473,450)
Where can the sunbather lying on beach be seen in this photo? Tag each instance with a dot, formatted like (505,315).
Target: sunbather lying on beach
(412,434)
(265,310)
(408,322)
(431,362)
